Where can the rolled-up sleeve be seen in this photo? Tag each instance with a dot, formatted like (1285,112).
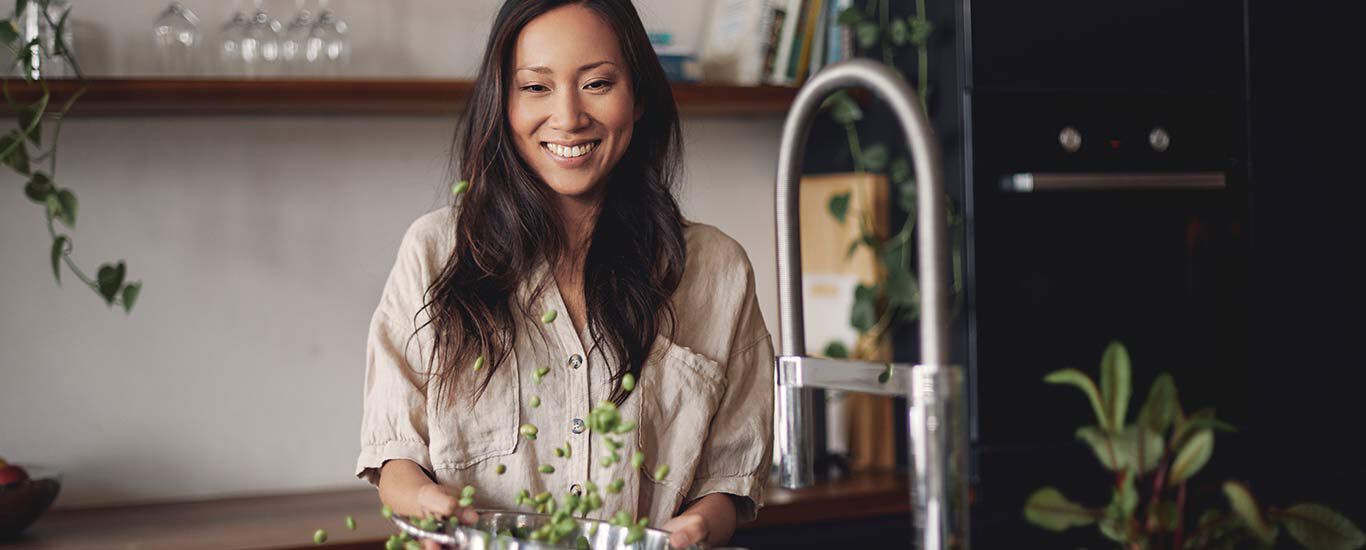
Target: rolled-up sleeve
(394,418)
(736,457)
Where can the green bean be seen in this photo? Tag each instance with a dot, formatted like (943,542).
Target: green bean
(581,543)
(593,530)
(459,187)
(637,460)
(625,427)
(543,497)
(559,452)
(466,502)
(886,375)
(594,502)
(571,501)
(568,451)
(540,373)
(661,472)
(412,545)
(643,522)
(500,469)
(615,486)
(319,536)
(386,511)
(529,431)
(628,382)
(549,316)
(467,492)
(546,469)
(634,534)
(350,523)
(394,543)
(535,401)
(606,461)
(479,363)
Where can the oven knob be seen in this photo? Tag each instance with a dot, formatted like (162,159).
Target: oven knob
(1070,139)
(1159,139)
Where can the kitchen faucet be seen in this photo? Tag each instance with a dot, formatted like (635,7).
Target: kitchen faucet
(934,389)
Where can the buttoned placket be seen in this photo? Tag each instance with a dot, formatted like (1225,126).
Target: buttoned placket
(569,371)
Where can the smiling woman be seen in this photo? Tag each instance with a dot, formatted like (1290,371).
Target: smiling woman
(570,146)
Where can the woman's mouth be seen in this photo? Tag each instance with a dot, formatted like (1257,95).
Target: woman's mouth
(570,156)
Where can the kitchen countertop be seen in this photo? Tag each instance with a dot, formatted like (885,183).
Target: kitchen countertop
(288,521)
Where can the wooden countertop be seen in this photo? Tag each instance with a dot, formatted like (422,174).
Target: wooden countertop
(288,521)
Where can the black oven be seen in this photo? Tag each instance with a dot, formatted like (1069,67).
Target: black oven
(1106,194)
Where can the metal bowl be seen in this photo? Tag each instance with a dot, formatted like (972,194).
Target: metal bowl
(482,535)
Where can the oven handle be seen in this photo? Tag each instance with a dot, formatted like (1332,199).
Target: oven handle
(1111,181)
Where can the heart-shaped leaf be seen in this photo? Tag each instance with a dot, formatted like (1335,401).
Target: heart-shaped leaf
(1049,509)
(1318,527)
(8,32)
(38,188)
(863,314)
(836,350)
(58,250)
(875,157)
(1192,457)
(900,32)
(1115,383)
(850,16)
(15,154)
(839,206)
(130,296)
(843,108)
(903,290)
(921,29)
(1245,506)
(868,34)
(1081,381)
(68,202)
(110,280)
(900,171)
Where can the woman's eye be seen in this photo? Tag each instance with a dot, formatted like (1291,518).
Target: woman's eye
(533,88)
(598,85)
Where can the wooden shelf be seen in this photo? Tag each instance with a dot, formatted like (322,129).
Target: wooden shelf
(115,97)
(288,521)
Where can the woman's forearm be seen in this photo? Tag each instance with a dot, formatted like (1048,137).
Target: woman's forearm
(718,511)
(400,481)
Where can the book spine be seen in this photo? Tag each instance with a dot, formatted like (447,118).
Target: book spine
(818,43)
(781,64)
(808,35)
(776,17)
(836,33)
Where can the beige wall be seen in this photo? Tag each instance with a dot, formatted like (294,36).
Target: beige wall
(263,243)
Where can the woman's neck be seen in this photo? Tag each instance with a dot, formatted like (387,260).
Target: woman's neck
(580,215)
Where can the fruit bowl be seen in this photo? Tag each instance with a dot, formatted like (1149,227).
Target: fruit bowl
(24,502)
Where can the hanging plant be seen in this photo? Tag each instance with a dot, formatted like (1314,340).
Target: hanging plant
(32,153)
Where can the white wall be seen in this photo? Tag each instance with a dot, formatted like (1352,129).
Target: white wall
(263,243)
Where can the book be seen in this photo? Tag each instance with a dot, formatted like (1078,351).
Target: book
(777,18)
(734,49)
(818,42)
(808,33)
(791,20)
(838,40)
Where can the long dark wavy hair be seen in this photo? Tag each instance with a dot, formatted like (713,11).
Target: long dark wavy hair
(508,223)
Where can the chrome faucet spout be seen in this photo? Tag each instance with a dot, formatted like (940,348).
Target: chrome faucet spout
(937,419)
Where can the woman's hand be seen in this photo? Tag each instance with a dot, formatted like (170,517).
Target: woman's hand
(686,530)
(435,500)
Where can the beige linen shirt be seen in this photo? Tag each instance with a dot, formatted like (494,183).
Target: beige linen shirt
(704,401)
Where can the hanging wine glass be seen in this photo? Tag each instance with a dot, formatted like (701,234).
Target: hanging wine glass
(261,44)
(294,46)
(230,42)
(331,41)
(176,33)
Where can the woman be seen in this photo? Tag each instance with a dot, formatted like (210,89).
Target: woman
(565,269)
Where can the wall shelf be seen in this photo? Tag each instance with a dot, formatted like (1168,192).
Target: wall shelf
(121,97)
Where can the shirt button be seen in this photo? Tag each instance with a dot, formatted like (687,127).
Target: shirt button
(575,361)
(577,426)
(576,489)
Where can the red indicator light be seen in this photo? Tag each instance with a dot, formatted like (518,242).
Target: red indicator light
(1114,144)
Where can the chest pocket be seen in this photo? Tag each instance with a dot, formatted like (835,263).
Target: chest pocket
(463,435)
(680,392)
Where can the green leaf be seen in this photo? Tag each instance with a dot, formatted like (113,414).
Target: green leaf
(1162,517)
(863,315)
(1200,420)
(853,247)
(1115,383)
(130,296)
(900,32)
(68,202)
(1318,527)
(15,152)
(850,16)
(1084,383)
(1119,514)
(1161,407)
(836,350)
(900,171)
(1134,449)
(902,288)
(1245,506)
(9,33)
(38,188)
(921,29)
(28,121)
(891,254)
(58,250)
(844,110)
(110,280)
(1049,509)
(839,206)
(875,157)
(19,6)
(868,34)
(1192,456)
(908,196)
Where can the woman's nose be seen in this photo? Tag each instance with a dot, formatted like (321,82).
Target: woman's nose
(569,113)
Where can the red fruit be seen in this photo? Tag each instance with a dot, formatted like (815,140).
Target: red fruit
(12,475)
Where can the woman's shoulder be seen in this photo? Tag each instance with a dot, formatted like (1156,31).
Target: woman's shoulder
(430,234)
(712,251)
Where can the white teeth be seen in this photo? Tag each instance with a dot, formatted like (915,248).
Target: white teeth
(570,152)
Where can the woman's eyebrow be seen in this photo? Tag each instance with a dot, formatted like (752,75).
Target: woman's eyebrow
(546,70)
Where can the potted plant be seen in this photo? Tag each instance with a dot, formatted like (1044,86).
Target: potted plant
(1153,458)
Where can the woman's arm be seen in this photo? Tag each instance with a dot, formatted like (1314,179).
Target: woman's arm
(711,519)
(407,490)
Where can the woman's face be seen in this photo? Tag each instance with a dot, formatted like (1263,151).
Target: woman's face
(571,106)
